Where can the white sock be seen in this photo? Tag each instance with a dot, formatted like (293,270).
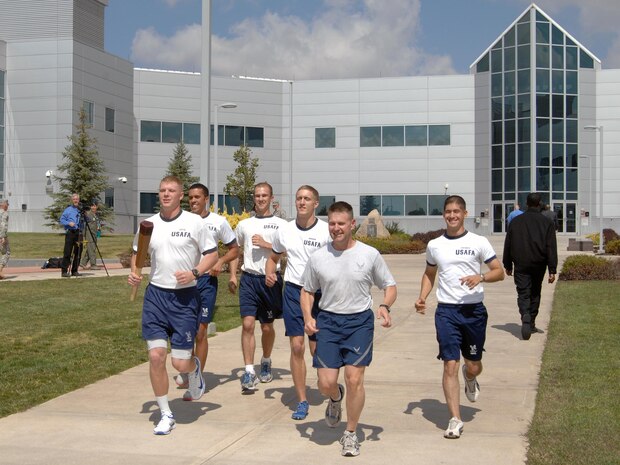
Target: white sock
(162,401)
(265,359)
(250,369)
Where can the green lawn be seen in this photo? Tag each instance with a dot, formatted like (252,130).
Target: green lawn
(60,335)
(577,407)
(46,245)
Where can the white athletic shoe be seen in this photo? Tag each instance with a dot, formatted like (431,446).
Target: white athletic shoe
(165,425)
(455,428)
(472,388)
(196,382)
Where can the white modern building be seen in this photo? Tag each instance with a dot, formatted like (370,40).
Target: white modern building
(530,116)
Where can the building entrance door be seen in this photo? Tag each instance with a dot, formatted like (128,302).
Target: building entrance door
(500,213)
(567,216)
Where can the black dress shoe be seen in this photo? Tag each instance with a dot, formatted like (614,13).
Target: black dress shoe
(76,274)
(526,327)
(64,274)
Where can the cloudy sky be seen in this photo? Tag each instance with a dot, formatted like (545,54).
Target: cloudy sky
(312,39)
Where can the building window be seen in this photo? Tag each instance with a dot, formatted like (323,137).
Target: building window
(191,133)
(416,135)
(435,204)
(89,111)
(392,205)
(149,202)
(370,136)
(324,203)
(392,136)
(109,119)
(233,136)
(439,134)
(415,205)
(150,131)
(369,203)
(324,138)
(109,197)
(254,137)
(171,133)
(220,135)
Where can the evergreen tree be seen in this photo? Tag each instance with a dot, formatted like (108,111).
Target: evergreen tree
(82,172)
(241,183)
(181,166)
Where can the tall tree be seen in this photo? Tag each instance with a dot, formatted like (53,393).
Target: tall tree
(181,166)
(240,184)
(82,172)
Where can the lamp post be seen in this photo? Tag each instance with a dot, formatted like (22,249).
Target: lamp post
(601,248)
(590,182)
(215,146)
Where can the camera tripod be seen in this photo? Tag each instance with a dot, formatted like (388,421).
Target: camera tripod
(82,241)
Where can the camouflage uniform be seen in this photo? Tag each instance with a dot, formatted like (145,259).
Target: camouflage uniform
(90,238)
(5,251)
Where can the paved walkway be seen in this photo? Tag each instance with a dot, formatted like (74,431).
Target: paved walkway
(110,422)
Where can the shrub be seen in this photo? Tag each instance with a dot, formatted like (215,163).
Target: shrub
(389,245)
(428,236)
(613,247)
(588,267)
(608,234)
(394,228)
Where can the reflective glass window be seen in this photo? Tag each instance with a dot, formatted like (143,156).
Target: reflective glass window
(542,33)
(524,128)
(233,136)
(509,37)
(393,205)
(509,107)
(509,132)
(415,205)
(439,134)
(435,204)
(1,84)
(149,202)
(523,56)
(557,179)
(496,108)
(557,154)
(369,203)
(1,114)
(108,197)
(542,105)
(571,195)
(571,180)
(325,138)
(523,105)
(191,133)
(585,60)
(171,132)
(416,135)
(571,130)
(496,61)
(542,129)
(523,78)
(542,155)
(509,59)
(542,80)
(370,136)
(540,17)
(572,158)
(558,130)
(496,84)
(571,57)
(324,203)
(509,156)
(542,56)
(220,135)
(255,137)
(557,57)
(523,33)
(110,116)
(571,82)
(496,135)
(557,37)
(496,181)
(509,180)
(496,156)
(557,81)
(523,155)
(393,136)
(542,179)
(571,106)
(570,42)
(557,106)
(483,64)
(150,131)
(523,183)
(89,111)
(509,83)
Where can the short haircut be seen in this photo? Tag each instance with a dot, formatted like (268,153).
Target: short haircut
(171,178)
(264,184)
(533,199)
(306,187)
(198,185)
(341,207)
(457,199)
(4,201)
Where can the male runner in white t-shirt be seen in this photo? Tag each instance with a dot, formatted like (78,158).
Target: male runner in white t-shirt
(181,249)
(256,300)
(298,239)
(461,317)
(208,283)
(345,270)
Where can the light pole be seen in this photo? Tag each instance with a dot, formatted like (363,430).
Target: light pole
(215,146)
(601,247)
(590,182)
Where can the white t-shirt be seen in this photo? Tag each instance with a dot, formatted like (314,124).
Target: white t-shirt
(220,229)
(456,257)
(255,257)
(299,244)
(345,277)
(176,245)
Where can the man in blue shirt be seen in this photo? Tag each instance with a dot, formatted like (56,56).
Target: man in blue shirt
(513,214)
(70,219)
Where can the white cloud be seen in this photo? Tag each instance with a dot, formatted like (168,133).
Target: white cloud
(350,38)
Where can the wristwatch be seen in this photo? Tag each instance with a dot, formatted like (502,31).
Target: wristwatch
(481,277)
(195,273)
(387,307)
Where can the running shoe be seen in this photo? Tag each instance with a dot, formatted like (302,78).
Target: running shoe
(248,382)
(165,425)
(350,445)
(182,380)
(196,381)
(302,411)
(455,428)
(333,412)
(472,388)
(526,326)
(265,375)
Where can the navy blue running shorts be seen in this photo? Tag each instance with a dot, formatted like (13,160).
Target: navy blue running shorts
(207,286)
(293,316)
(257,300)
(461,329)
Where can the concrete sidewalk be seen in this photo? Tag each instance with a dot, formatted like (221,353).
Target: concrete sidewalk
(111,422)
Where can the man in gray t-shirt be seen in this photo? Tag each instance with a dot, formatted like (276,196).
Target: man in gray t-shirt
(344,270)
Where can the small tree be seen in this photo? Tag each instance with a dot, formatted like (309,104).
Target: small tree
(181,166)
(241,183)
(82,172)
